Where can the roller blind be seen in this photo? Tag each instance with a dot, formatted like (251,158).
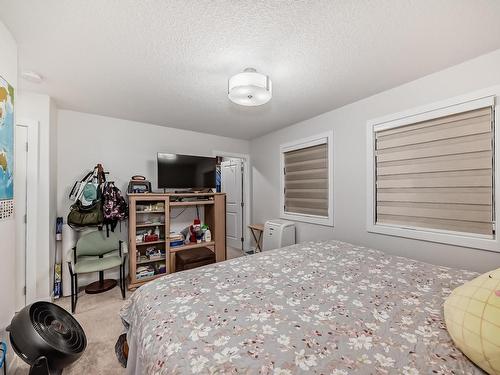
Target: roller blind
(438,174)
(306,180)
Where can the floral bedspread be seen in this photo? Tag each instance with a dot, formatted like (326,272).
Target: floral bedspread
(319,307)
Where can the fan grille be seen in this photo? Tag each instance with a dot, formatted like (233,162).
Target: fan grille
(58,328)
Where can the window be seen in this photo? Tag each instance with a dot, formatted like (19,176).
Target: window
(307,180)
(432,175)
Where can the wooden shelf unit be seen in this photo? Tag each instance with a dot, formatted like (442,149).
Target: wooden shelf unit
(214,205)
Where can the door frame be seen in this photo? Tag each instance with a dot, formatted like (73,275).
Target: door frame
(237,165)
(32,181)
(247,208)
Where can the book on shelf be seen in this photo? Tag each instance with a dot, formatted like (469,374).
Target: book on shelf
(176,243)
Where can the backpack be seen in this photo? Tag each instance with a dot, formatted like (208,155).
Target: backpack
(87,189)
(114,207)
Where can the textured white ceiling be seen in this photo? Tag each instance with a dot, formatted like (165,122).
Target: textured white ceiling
(167,62)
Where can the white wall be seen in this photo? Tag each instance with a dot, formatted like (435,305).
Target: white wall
(349,125)
(8,71)
(125,148)
(41,108)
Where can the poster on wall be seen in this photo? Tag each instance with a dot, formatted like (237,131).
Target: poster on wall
(6,149)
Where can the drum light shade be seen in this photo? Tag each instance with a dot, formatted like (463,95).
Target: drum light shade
(250,88)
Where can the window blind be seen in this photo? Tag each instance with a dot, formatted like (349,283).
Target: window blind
(437,174)
(306,180)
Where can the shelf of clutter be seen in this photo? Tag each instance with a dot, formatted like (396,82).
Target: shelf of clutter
(153,244)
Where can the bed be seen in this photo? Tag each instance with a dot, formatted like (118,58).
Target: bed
(319,307)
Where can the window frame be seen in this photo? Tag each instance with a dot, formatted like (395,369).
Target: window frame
(326,137)
(480,99)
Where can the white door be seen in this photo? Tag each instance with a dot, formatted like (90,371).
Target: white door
(20,197)
(232,185)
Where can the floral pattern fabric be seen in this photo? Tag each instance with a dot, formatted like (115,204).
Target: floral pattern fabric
(319,307)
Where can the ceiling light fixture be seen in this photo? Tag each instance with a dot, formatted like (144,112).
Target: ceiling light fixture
(249,88)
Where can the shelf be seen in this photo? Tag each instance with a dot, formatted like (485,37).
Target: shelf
(146,261)
(191,246)
(139,282)
(150,212)
(149,243)
(149,225)
(192,194)
(160,196)
(191,203)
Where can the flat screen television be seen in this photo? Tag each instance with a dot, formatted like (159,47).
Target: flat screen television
(185,171)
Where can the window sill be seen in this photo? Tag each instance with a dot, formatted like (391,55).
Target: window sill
(311,219)
(448,238)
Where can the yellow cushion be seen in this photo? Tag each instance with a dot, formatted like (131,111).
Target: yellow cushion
(472,315)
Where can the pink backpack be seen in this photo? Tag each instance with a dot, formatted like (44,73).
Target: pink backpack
(114,207)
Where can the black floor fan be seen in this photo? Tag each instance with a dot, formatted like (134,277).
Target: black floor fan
(47,338)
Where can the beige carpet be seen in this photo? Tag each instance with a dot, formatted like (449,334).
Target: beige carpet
(98,315)
(233,252)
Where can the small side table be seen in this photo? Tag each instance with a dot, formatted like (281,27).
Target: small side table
(257,230)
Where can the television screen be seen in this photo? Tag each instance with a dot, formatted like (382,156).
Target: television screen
(185,171)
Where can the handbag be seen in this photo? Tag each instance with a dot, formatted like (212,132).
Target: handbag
(84,216)
(87,209)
